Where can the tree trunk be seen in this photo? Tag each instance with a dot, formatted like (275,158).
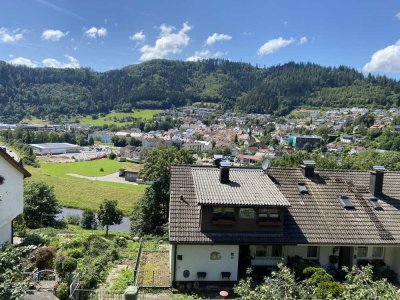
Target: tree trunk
(106,230)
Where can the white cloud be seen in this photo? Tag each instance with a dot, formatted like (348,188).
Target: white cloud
(200,55)
(303,40)
(53,35)
(7,36)
(216,37)
(138,36)
(54,63)
(95,32)
(274,45)
(168,42)
(386,59)
(398,15)
(22,61)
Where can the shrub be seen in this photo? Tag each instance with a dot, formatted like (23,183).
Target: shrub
(101,170)
(299,264)
(73,219)
(43,257)
(123,280)
(320,284)
(65,265)
(88,220)
(112,155)
(62,291)
(34,239)
(120,241)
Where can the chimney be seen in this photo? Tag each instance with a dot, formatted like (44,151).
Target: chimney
(376,180)
(217,159)
(308,168)
(224,172)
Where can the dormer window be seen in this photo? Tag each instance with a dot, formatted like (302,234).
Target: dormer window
(269,216)
(223,216)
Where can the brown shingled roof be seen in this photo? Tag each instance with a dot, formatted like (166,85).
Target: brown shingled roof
(246,187)
(313,218)
(14,163)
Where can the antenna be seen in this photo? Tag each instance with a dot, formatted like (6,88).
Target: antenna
(265,165)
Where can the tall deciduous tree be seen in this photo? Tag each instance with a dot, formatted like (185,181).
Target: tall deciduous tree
(109,214)
(40,204)
(150,213)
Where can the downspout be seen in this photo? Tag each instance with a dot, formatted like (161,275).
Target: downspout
(174,273)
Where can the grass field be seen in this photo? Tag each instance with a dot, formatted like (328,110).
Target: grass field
(87,194)
(115,117)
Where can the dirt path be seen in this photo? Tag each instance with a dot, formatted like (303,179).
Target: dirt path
(114,177)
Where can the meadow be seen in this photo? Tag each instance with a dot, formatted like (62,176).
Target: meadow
(83,193)
(116,117)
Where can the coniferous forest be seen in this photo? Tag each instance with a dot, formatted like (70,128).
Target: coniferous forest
(53,93)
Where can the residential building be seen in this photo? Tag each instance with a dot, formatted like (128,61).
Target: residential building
(224,220)
(11,194)
(299,141)
(132,153)
(198,146)
(348,139)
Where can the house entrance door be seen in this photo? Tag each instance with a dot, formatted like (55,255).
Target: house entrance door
(345,257)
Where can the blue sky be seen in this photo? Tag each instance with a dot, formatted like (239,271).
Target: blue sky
(109,34)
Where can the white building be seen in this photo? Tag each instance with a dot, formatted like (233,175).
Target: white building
(198,146)
(54,148)
(223,221)
(11,194)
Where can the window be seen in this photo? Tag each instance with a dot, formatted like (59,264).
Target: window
(224,213)
(268,251)
(377,252)
(261,251)
(312,252)
(247,213)
(215,256)
(362,251)
(269,214)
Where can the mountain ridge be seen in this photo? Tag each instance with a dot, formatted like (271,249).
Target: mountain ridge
(52,93)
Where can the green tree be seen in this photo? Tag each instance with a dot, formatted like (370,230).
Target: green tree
(150,213)
(40,204)
(109,214)
(88,220)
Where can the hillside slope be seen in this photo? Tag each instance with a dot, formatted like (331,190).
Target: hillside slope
(46,92)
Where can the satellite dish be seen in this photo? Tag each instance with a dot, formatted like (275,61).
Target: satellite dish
(265,165)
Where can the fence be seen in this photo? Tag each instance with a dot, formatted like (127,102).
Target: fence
(100,294)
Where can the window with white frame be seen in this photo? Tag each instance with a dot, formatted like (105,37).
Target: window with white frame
(377,252)
(362,252)
(263,251)
(312,251)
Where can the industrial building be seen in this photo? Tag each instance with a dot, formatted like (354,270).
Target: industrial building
(54,148)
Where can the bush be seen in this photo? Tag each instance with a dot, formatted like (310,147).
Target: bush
(34,239)
(101,170)
(88,220)
(19,226)
(73,219)
(112,155)
(298,264)
(43,257)
(65,265)
(62,291)
(120,241)
(123,280)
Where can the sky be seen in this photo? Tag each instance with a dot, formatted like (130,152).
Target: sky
(109,34)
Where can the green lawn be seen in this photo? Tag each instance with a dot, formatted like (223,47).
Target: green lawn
(86,168)
(83,193)
(115,117)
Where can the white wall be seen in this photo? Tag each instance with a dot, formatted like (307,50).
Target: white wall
(196,258)
(5,234)
(11,194)
(323,253)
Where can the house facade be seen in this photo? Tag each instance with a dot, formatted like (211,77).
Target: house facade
(11,194)
(225,220)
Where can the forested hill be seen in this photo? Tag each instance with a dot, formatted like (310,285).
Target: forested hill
(46,92)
